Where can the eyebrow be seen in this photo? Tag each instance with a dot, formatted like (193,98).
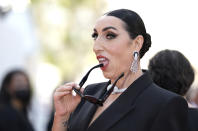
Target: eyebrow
(109,27)
(106,28)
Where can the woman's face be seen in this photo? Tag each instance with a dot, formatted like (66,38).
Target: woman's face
(18,82)
(113,46)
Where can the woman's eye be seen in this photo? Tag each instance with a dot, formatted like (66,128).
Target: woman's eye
(110,36)
(94,35)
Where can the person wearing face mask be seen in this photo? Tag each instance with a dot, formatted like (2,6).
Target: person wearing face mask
(129,101)
(15,96)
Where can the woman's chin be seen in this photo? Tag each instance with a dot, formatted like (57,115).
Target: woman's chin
(106,75)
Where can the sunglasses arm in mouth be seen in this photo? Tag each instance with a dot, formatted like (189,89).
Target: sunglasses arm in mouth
(90,98)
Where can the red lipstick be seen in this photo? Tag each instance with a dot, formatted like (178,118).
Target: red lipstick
(104,60)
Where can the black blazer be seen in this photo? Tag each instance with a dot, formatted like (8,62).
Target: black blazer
(13,120)
(193,119)
(142,107)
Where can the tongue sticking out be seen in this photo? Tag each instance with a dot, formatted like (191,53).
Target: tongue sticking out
(105,63)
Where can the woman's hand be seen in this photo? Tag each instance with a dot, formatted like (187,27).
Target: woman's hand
(64,101)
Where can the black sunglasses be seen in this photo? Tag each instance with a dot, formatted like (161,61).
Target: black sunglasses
(90,98)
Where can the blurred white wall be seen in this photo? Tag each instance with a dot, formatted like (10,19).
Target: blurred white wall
(18,43)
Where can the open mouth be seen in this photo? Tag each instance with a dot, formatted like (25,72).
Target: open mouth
(104,61)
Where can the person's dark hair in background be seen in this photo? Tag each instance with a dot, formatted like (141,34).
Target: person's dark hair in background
(15,96)
(5,95)
(171,70)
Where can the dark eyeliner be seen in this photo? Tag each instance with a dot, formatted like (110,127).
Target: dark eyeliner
(111,35)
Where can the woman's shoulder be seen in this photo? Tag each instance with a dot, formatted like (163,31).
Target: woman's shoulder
(156,98)
(159,94)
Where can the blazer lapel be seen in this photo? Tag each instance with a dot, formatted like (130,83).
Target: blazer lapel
(121,106)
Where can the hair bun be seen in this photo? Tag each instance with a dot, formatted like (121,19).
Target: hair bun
(146,45)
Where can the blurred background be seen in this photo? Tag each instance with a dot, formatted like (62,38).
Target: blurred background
(51,40)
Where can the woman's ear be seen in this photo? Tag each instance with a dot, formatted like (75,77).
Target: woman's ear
(138,41)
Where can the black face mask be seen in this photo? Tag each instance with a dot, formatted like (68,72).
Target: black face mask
(23,95)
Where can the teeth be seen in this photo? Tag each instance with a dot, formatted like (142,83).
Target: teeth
(101,59)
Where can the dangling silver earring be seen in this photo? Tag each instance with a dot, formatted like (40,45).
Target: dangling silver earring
(134,65)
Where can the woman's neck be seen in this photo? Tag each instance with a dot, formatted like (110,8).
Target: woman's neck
(129,78)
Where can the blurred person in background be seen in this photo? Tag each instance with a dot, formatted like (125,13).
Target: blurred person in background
(171,70)
(15,96)
(129,102)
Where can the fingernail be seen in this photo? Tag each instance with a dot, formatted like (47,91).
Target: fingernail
(77,87)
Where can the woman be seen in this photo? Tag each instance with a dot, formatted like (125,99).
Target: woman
(171,70)
(15,95)
(120,41)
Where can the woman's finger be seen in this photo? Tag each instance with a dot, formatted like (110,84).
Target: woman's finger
(67,86)
(82,90)
(64,88)
(59,95)
(71,84)
(62,93)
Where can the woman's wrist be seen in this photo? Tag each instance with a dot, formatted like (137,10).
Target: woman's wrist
(62,117)
(62,114)
(60,122)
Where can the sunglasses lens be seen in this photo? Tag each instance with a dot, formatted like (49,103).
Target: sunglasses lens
(91,99)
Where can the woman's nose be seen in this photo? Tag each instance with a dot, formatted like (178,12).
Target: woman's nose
(97,46)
